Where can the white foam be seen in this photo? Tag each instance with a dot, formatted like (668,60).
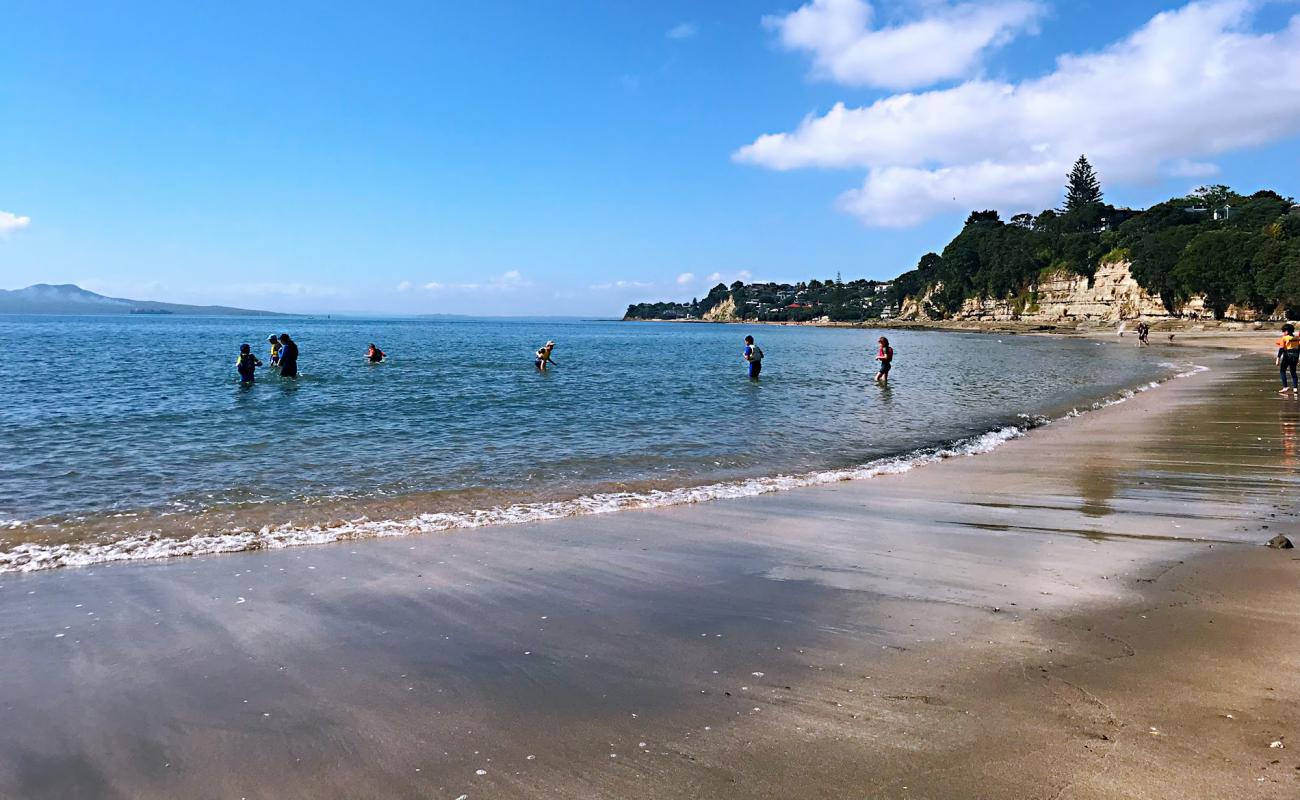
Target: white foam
(31,556)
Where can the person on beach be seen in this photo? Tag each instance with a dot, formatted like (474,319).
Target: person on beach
(274,341)
(544,356)
(288,357)
(374,355)
(885,355)
(1288,356)
(753,355)
(246,364)
(1144,330)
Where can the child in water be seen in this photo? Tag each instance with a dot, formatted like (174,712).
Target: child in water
(544,356)
(885,355)
(274,341)
(753,355)
(246,364)
(374,354)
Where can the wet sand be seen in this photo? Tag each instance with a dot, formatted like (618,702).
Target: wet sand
(1083,613)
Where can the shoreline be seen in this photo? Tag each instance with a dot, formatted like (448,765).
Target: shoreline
(1094,592)
(35,555)
(1186,327)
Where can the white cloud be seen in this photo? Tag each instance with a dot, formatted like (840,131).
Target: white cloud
(1189,84)
(684,30)
(1184,168)
(506,281)
(308,290)
(404,286)
(685,278)
(714,278)
(10,222)
(948,42)
(620,285)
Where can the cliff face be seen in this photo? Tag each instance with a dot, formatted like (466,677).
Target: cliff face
(1110,295)
(722,312)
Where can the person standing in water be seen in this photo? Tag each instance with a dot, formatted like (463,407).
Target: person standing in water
(885,355)
(1288,356)
(275,349)
(246,364)
(374,355)
(544,355)
(288,357)
(753,355)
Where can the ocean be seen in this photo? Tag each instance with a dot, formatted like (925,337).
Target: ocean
(130,437)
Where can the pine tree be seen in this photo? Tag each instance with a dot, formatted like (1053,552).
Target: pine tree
(1082,189)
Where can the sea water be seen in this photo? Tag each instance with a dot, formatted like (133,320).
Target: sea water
(130,437)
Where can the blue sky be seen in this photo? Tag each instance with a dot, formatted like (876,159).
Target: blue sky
(569,158)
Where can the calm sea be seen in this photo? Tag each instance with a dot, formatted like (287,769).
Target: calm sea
(129,437)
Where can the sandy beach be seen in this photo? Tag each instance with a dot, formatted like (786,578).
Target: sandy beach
(1086,612)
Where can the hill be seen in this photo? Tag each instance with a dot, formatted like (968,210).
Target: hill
(1214,252)
(44,298)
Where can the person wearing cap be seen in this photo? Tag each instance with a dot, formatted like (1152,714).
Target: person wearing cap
(544,355)
(274,341)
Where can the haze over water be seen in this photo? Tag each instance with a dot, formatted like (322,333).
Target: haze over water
(135,430)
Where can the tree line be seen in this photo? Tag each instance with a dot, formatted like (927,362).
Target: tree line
(1233,249)
(839,300)
(1230,248)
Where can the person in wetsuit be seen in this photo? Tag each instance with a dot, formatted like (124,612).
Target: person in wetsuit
(246,364)
(288,357)
(1288,356)
(374,355)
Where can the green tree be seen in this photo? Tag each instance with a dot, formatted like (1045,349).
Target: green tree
(1082,189)
(1217,264)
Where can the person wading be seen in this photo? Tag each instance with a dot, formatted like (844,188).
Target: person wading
(544,356)
(885,355)
(753,355)
(288,357)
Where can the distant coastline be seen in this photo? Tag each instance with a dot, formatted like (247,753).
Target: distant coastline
(67,298)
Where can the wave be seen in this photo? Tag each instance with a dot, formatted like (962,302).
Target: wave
(32,556)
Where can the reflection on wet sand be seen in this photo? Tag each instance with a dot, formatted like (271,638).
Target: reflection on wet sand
(846,640)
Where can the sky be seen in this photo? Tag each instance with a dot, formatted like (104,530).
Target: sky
(568,158)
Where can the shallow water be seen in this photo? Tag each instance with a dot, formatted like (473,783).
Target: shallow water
(125,435)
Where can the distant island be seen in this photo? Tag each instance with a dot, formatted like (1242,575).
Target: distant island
(44,298)
(1212,254)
